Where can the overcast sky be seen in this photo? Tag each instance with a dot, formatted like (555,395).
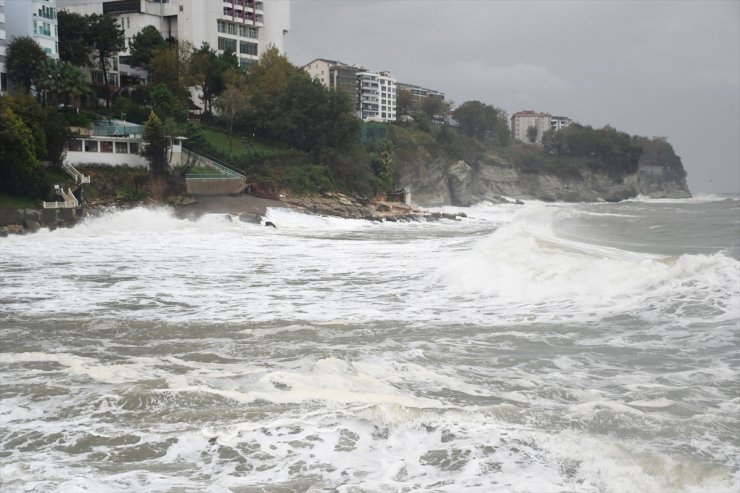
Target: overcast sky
(653,68)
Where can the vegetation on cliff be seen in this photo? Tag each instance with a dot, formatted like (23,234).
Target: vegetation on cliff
(283,129)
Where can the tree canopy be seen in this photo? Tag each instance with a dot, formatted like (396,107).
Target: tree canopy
(106,37)
(143,45)
(74,46)
(23,61)
(480,120)
(156,144)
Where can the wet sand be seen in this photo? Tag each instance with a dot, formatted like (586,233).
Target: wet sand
(238,204)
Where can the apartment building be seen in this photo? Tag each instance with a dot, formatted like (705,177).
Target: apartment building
(335,75)
(3,48)
(246,27)
(559,122)
(419,93)
(523,120)
(376,96)
(34,18)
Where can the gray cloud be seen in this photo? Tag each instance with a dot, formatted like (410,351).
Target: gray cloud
(654,68)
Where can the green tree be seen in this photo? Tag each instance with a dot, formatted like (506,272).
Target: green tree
(166,105)
(433,106)
(532,134)
(233,100)
(170,66)
(209,71)
(156,144)
(73,42)
(382,163)
(405,104)
(106,36)
(28,109)
(481,120)
(23,61)
(143,45)
(18,163)
(62,82)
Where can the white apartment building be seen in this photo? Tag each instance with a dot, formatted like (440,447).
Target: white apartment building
(246,27)
(559,122)
(376,96)
(34,18)
(335,75)
(523,120)
(3,47)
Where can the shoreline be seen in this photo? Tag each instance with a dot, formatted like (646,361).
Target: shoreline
(249,208)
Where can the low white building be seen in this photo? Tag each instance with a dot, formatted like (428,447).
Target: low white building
(114,143)
(376,96)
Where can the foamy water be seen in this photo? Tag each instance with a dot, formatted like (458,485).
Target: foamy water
(583,348)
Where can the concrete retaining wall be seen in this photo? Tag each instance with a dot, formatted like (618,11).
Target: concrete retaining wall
(214,186)
(33,218)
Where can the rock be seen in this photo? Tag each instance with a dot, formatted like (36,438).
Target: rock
(31,225)
(249,218)
(459,178)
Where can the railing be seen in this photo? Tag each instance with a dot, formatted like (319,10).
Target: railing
(74,173)
(70,201)
(225,171)
(106,130)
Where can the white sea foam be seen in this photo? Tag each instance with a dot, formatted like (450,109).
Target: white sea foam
(142,352)
(524,262)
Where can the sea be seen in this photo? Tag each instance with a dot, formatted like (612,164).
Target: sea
(523,348)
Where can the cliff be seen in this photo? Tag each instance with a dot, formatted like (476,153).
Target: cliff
(439,175)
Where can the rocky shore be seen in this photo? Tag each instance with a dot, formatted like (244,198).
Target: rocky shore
(339,205)
(248,208)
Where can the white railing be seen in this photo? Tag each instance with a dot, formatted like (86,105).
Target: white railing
(74,173)
(70,201)
(228,172)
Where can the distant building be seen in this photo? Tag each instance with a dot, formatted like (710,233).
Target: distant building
(34,18)
(374,93)
(419,93)
(377,96)
(523,120)
(335,75)
(3,47)
(559,122)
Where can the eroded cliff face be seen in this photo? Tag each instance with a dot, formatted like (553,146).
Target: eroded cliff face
(438,180)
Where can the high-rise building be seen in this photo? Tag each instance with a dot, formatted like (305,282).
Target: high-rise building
(3,47)
(335,75)
(377,96)
(34,18)
(522,121)
(246,27)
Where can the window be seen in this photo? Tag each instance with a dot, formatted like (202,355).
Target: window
(227,44)
(248,31)
(91,146)
(247,48)
(133,147)
(245,63)
(106,146)
(122,147)
(75,145)
(231,28)
(221,26)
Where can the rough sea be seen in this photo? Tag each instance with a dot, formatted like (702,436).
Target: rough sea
(535,348)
